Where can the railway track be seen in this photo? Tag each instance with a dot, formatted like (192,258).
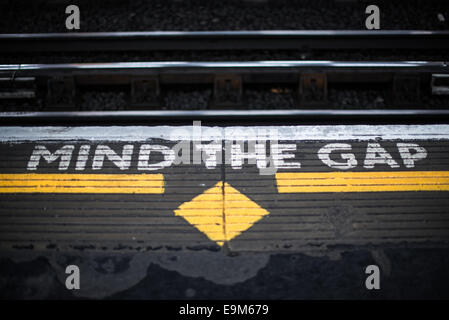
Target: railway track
(144,81)
(58,83)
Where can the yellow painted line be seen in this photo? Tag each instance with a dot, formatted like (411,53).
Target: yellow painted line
(81,183)
(299,182)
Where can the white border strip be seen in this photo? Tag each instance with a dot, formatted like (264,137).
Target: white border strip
(176,133)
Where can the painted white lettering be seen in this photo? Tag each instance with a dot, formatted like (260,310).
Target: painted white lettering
(375,154)
(64,153)
(278,156)
(144,157)
(103,151)
(325,152)
(409,158)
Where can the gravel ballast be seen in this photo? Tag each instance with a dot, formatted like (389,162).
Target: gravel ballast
(187,15)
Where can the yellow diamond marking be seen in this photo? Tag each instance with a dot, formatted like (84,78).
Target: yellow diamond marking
(221,216)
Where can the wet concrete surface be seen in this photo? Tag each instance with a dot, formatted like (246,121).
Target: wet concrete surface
(406,273)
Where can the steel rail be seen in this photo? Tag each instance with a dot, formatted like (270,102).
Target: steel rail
(275,70)
(223,40)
